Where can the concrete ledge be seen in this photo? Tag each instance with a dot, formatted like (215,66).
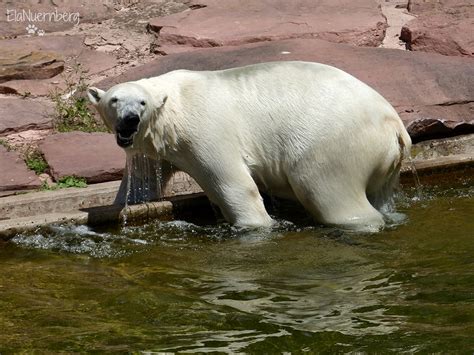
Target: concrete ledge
(91,216)
(441,171)
(58,201)
(441,163)
(102,194)
(442,167)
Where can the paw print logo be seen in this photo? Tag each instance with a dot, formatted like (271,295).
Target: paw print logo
(31,29)
(40,33)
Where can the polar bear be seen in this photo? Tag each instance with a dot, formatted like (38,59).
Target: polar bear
(297,130)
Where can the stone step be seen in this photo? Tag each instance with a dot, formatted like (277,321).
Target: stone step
(17,115)
(93,156)
(14,175)
(25,64)
(78,60)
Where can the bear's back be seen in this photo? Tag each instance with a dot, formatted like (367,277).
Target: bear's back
(269,103)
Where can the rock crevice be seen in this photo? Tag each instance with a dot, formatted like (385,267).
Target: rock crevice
(443,26)
(228,23)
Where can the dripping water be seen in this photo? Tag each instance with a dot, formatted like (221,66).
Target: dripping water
(140,187)
(144,179)
(159,179)
(128,166)
(418,187)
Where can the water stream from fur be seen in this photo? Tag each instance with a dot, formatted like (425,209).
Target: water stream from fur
(128,168)
(143,181)
(418,186)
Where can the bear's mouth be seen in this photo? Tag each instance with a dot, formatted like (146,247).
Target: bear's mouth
(126,129)
(125,137)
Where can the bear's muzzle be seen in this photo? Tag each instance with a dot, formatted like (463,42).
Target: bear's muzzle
(126,129)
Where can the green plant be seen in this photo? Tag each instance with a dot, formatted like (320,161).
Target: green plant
(46,187)
(64,183)
(74,115)
(35,161)
(71,181)
(5,143)
(72,112)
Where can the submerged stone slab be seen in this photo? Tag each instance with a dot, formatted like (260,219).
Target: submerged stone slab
(233,22)
(419,85)
(443,26)
(18,115)
(14,175)
(94,156)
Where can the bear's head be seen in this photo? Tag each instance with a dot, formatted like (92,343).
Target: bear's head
(125,109)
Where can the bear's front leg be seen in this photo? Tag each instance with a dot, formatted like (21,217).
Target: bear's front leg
(235,192)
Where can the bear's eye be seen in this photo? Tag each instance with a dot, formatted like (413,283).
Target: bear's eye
(113,100)
(143,103)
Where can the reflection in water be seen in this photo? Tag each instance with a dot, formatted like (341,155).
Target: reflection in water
(312,280)
(231,341)
(177,286)
(346,304)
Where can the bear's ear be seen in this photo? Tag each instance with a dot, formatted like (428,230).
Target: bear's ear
(160,100)
(95,95)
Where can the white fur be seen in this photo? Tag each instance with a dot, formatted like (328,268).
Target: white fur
(297,130)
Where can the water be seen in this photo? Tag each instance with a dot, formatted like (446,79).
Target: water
(143,183)
(199,287)
(138,172)
(416,178)
(129,167)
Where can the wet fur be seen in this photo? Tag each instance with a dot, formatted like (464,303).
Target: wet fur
(297,130)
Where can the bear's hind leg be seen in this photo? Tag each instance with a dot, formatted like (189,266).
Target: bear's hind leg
(335,202)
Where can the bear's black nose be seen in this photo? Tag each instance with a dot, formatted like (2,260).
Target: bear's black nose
(131,120)
(128,125)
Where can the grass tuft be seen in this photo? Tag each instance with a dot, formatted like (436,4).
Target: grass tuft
(72,112)
(4,142)
(64,183)
(71,181)
(35,161)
